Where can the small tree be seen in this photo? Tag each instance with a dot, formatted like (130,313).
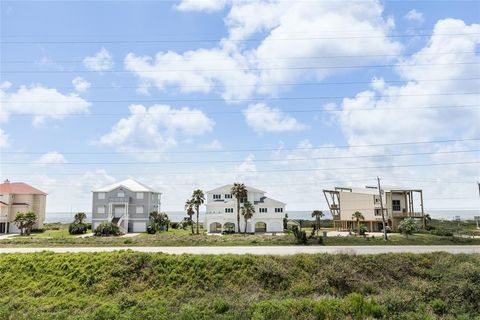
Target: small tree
(78,226)
(317,214)
(407,226)
(20,221)
(198,198)
(158,221)
(80,217)
(357,216)
(189,208)
(247,211)
(25,222)
(239,191)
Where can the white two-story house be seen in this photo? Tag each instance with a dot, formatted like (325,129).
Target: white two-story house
(221,213)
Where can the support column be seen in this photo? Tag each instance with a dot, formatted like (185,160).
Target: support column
(423,213)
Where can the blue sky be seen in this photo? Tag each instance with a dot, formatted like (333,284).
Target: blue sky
(197,94)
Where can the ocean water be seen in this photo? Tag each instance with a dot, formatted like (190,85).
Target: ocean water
(67,217)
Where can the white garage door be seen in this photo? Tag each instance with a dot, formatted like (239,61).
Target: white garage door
(140,227)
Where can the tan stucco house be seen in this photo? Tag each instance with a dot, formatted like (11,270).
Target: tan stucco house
(20,197)
(398,204)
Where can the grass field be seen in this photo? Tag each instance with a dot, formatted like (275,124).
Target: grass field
(56,235)
(127,285)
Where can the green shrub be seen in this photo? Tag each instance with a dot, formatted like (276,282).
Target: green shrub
(106,229)
(439,306)
(77,228)
(442,232)
(152,228)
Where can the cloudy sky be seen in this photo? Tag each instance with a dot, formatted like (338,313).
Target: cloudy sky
(290,97)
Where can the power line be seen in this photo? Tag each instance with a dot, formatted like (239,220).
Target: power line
(254,160)
(241,69)
(150,113)
(243,99)
(276,170)
(254,150)
(262,59)
(235,40)
(273,84)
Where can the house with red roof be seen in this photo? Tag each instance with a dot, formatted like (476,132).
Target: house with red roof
(20,197)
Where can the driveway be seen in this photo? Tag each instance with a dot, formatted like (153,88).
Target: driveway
(262,250)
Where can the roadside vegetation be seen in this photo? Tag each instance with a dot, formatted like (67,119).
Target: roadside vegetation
(129,285)
(57,235)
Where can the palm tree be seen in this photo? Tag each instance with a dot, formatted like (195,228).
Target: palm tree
(80,217)
(198,198)
(247,211)
(317,214)
(30,219)
(20,221)
(357,216)
(239,191)
(189,205)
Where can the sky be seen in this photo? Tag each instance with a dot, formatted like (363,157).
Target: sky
(291,97)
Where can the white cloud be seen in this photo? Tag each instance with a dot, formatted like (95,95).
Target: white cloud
(213,145)
(101,61)
(52,157)
(80,84)
(204,5)
(199,70)
(4,139)
(238,70)
(262,118)
(414,15)
(394,119)
(156,129)
(40,102)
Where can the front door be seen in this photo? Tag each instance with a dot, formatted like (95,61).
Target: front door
(118,211)
(3,227)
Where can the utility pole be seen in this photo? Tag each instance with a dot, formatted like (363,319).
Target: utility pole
(385,236)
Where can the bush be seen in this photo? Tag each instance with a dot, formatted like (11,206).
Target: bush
(363,229)
(442,232)
(152,228)
(77,228)
(439,307)
(408,226)
(106,229)
(300,235)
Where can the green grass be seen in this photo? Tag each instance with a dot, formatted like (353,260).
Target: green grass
(57,236)
(129,285)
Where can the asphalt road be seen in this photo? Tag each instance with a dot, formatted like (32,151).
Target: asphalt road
(262,250)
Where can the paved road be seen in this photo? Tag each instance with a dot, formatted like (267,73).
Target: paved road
(277,250)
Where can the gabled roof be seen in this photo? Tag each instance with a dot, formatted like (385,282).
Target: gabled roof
(229,186)
(19,188)
(129,184)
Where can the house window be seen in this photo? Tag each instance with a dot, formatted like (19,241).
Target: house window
(139,195)
(396,205)
(228,210)
(262,210)
(121,194)
(228,196)
(243,199)
(101,195)
(378,212)
(278,210)
(101,209)
(217,197)
(376,199)
(139,209)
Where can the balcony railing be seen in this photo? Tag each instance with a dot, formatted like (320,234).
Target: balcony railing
(405,214)
(119,199)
